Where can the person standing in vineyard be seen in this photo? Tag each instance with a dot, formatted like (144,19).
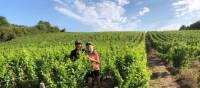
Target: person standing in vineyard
(95,64)
(76,52)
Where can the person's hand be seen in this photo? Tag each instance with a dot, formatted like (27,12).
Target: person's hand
(89,57)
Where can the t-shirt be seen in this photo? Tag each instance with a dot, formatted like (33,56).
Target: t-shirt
(75,54)
(94,56)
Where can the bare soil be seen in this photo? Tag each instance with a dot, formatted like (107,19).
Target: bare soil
(161,74)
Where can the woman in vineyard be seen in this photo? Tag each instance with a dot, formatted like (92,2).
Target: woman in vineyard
(95,64)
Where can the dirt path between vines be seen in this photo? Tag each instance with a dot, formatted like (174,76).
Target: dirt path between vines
(161,77)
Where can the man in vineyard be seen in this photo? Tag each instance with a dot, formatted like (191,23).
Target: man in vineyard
(76,52)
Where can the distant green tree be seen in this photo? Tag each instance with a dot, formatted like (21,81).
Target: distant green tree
(63,30)
(7,34)
(3,22)
(183,27)
(46,27)
(194,26)
(43,26)
(53,29)
(10,31)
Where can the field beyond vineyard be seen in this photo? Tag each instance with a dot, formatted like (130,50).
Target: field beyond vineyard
(27,61)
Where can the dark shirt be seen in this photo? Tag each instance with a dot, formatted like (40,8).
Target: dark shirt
(75,54)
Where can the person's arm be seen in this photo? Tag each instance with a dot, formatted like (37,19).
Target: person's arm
(97,60)
(72,55)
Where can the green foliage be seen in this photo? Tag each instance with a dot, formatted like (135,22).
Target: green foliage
(3,22)
(177,48)
(63,30)
(194,26)
(183,27)
(35,58)
(10,31)
(46,27)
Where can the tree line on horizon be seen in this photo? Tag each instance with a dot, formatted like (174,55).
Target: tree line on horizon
(194,26)
(10,31)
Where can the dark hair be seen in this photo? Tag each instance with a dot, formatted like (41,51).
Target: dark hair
(88,43)
(78,42)
(94,50)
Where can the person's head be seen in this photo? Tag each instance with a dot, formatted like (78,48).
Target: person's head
(78,44)
(89,46)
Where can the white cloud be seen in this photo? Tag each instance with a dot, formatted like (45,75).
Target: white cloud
(175,25)
(144,11)
(123,2)
(186,12)
(68,12)
(105,15)
(170,27)
(183,7)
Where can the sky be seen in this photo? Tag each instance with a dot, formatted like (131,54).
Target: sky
(103,15)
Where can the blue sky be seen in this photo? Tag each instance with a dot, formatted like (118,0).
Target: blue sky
(103,15)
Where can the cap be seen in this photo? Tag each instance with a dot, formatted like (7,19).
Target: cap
(78,42)
(88,43)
